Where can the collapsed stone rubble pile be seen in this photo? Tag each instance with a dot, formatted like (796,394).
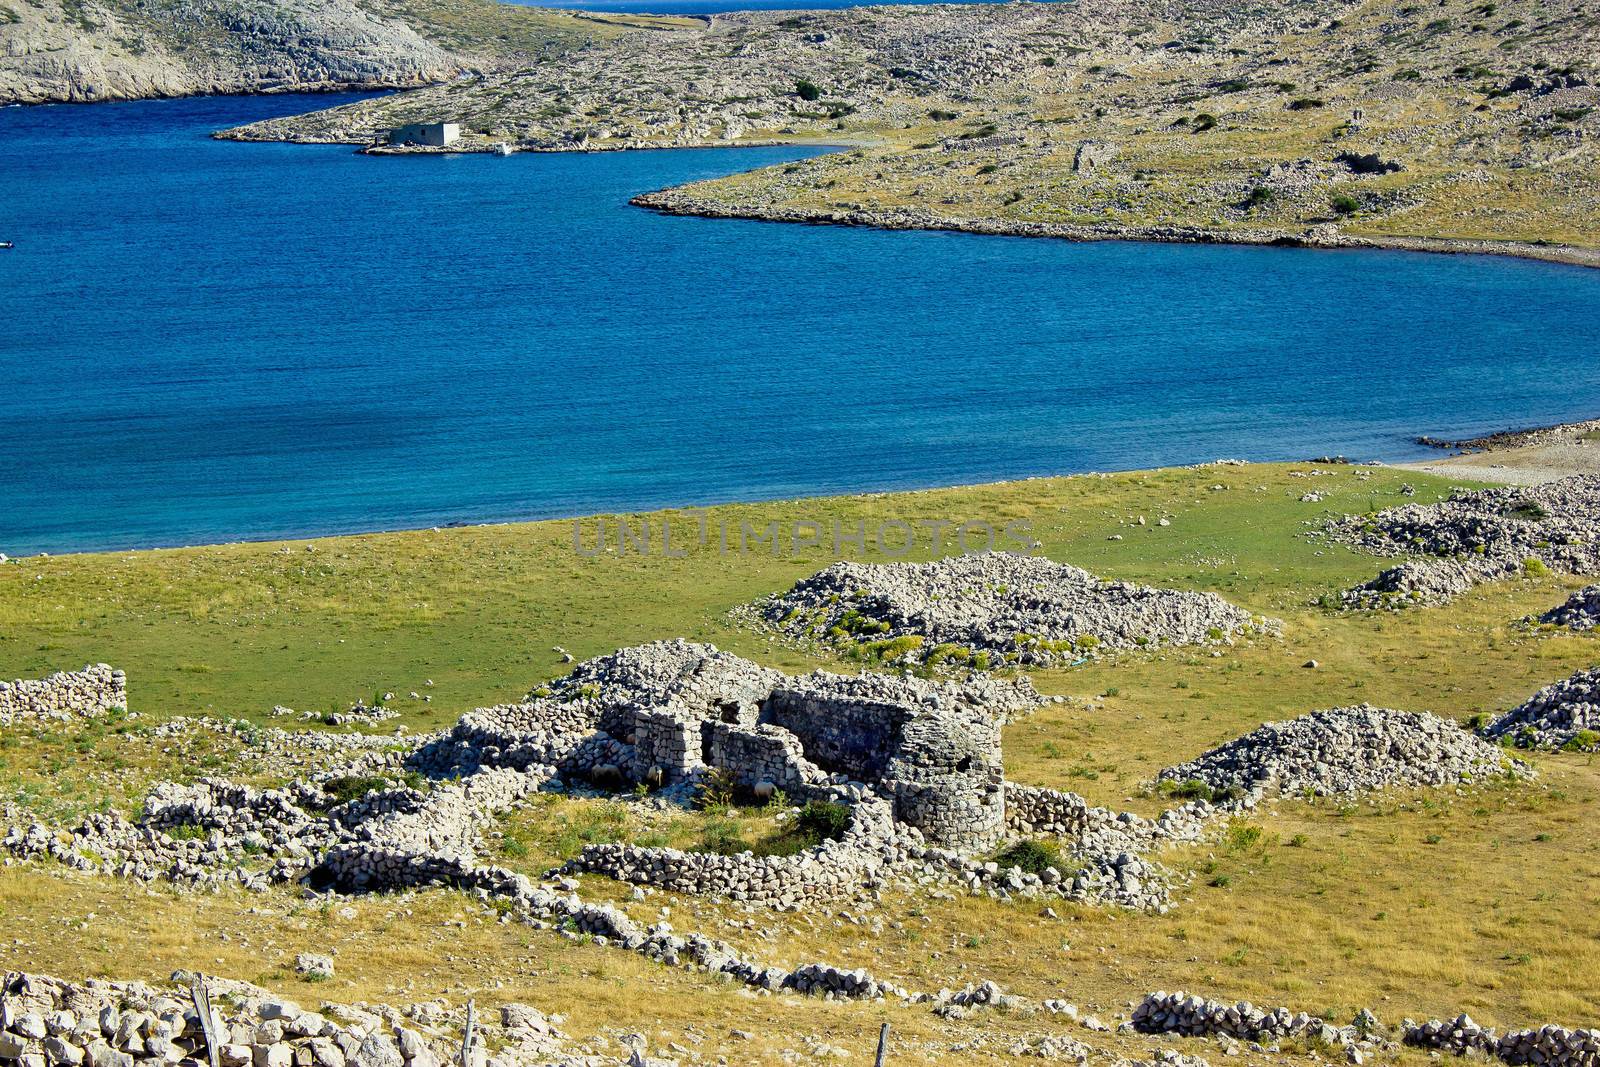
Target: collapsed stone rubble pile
(1411,584)
(1580,611)
(47,1021)
(65,695)
(997,607)
(1476,536)
(1566,714)
(1346,750)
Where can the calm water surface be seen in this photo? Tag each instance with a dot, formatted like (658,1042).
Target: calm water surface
(711,7)
(208,341)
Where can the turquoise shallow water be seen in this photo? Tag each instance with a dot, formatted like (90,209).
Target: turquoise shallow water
(208,341)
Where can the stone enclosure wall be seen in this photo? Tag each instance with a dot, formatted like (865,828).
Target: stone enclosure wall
(64,695)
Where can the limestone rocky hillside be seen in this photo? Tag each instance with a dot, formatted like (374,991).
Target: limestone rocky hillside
(85,50)
(1453,118)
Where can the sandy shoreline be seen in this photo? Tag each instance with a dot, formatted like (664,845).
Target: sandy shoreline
(1521,457)
(678,202)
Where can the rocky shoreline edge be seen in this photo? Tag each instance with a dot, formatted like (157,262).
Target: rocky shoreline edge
(1326,236)
(1501,440)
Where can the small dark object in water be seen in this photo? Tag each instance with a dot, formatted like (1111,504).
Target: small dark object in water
(6,244)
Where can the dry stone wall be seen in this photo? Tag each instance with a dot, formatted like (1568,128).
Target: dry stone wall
(47,1022)
(1546,1046)
(854,862)
(1195,1016)
(85,694)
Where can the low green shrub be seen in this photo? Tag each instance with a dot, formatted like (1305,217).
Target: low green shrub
(1034,857)
(1583,741)
(823,820)
(344,789)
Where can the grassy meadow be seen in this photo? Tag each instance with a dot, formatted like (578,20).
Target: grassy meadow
(1481,899)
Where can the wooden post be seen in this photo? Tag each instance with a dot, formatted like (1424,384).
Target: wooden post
(883,1045)
(466,1038)
(202,1007)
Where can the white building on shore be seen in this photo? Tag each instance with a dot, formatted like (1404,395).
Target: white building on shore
(431,134)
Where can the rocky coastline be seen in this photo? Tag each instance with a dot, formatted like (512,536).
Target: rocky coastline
(1326,236)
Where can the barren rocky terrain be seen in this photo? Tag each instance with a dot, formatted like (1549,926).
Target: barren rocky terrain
(1446,125)
(88,50)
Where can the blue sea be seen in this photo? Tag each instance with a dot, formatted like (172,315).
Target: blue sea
(712,7)
(204,341)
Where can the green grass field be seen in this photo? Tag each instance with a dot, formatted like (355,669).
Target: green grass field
(1481,899)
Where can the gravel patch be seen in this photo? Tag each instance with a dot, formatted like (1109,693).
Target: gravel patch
(996,608)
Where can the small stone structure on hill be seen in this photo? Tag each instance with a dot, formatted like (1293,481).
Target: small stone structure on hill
(665,714)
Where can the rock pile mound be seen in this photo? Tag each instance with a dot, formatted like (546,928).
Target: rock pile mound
(1345,750)
(1580,612)
(995,608)
(1477,536)
(1563,715)
(1410,584)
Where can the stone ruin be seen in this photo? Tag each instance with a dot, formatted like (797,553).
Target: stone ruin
(916,762)
(668,714)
